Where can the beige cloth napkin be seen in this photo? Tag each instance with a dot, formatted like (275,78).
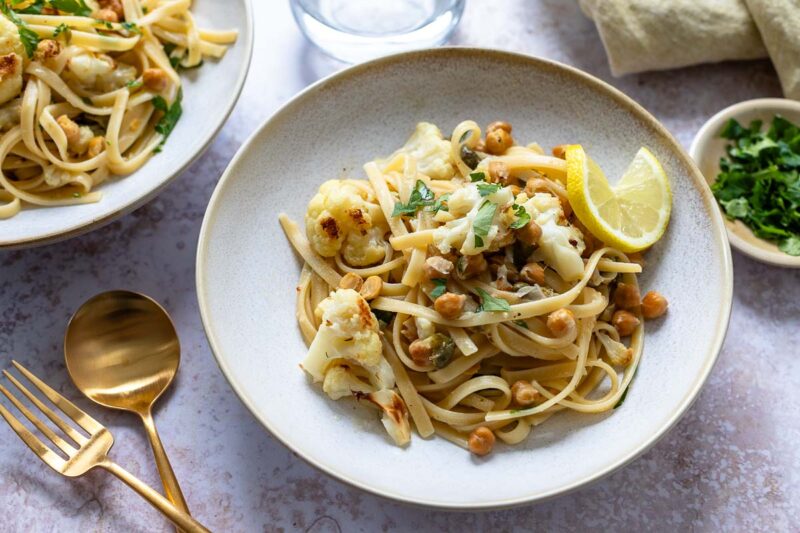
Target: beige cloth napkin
(641,35)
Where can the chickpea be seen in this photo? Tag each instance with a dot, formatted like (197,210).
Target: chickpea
(107,15)
(420,352)
(95,146)
(499,125)
(533,273)
(154,79)
(625,322)
(498,141)
(498,172)
(371,288)
(351,281)
(654,305)
(626,296)
(481,441)
(530,233)
(115,6)
(471,265)
(560,151)
(561,321)
(437,267)
(523,392)
(450,305)
(70,128)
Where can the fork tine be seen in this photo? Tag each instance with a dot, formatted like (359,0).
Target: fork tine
(63,426)
(82,419)
(45,454)
(58,441)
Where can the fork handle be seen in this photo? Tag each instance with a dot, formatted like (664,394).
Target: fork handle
(176,516)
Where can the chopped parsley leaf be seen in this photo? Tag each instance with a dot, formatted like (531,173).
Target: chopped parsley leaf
(27,36)
(490,303)
(522,217)
(420,197)
(477,176)
(486,189)
(440,286)
(483,221)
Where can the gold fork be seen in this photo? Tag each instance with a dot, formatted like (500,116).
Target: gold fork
(92,451)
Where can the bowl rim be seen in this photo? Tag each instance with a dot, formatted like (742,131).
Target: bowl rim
(717,228)
(697,149)
(91,225)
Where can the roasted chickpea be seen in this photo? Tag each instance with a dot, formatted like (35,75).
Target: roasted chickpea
(626,296)
(498,172)
(115,6)
(523,392)
(561,321)
(530,233)
(420,352)
(450,305)
(498,141)
(481,441)
(371,288)
(560,151)
(155,79)
(47,49)
(499,125)
(70,128)
(437,267)
(95,146)
(471,265)
(533,273)
(653,305)
(351,281)
(625,322)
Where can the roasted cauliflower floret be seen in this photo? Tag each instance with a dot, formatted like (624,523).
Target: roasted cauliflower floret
(11,61)
(348,333)
(342,217)
(430,150)
(395,414)
(100,72)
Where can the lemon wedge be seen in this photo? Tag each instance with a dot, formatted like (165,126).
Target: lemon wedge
(630,216)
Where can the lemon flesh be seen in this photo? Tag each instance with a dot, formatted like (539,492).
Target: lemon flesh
(630,216)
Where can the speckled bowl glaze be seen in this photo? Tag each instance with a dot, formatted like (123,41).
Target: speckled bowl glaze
(247,272)
(707,149)
(209,94)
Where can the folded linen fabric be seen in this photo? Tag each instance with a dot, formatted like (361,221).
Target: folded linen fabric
(641,35)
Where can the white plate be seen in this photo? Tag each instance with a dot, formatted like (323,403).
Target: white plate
(247,271)
(209,94)
(707,149)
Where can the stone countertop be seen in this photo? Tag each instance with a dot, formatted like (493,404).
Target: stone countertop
(732,463)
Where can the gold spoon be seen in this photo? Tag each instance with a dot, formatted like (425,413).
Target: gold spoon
(122,352)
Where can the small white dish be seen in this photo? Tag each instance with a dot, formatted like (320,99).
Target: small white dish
(209,94)
(708,147)
(247,272)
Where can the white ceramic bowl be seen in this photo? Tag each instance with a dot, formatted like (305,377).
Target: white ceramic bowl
(209,94)
(247,271)
(707,149)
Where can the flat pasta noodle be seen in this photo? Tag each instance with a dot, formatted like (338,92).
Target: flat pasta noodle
(456,373)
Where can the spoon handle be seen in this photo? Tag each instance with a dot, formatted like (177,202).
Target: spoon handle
(181,519)
(171,488)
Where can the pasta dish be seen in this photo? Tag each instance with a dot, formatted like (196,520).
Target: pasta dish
(459,287)
(89,89)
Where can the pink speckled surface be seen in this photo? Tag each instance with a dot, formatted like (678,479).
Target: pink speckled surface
(731,464)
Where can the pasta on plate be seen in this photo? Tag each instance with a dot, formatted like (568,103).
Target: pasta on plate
(455,288)
(89,89)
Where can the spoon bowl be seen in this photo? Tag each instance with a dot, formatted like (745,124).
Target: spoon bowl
(122,350)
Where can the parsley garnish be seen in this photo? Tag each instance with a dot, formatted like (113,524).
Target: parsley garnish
(759,181)
(440,286)
(132,27)
(28,37)
(441,203)
(33,9)
(485,189)
(64,30)
(490,303)
(625,392)
(477,176)
(483,221)
(421,196)
(75,7)
(522,217)
(171,116)
(134,84)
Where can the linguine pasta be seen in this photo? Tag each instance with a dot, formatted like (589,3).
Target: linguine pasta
(455,289)
(89,89)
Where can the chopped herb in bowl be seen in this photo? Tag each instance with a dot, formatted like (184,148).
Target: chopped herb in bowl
(759,180)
